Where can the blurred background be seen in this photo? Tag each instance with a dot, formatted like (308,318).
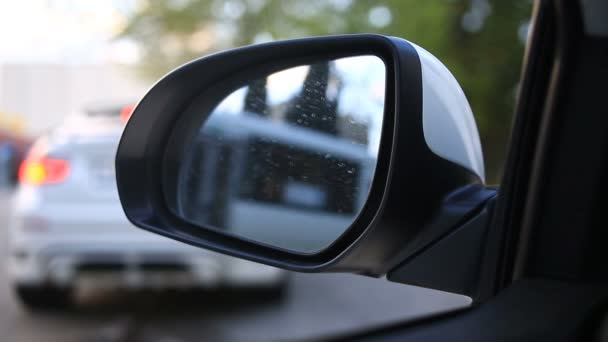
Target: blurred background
(70,72)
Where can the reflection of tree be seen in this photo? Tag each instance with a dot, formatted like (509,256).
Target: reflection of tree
(316,108)
(313,108)
(256,98)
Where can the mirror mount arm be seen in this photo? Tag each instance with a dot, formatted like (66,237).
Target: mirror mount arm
(455,260)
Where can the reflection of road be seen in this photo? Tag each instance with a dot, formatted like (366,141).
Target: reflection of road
(315,305)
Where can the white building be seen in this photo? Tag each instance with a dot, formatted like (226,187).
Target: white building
(35,97)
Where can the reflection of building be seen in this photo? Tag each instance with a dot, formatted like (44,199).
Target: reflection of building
(284,174)
(247,159)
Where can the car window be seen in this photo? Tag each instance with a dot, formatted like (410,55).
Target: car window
(78,67)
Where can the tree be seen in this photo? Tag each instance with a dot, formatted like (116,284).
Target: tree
(479,40)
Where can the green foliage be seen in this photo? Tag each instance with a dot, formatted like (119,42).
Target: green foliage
(485,57)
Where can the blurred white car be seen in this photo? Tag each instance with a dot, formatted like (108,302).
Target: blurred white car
(67,225)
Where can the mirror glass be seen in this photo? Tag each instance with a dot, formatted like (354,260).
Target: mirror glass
(287,160)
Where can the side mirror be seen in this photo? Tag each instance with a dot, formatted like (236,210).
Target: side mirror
(341,153)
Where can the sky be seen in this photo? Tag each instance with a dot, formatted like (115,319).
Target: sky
(65,31)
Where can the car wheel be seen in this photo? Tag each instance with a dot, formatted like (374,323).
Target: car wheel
(43,298)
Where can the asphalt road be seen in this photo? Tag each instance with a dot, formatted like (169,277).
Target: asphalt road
(315,305)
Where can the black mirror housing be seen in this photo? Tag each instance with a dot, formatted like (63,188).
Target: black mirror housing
(415,197)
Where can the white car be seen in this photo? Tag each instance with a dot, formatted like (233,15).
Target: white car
(67,225)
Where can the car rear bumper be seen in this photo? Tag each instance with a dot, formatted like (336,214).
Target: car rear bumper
(140,260)
(61,242)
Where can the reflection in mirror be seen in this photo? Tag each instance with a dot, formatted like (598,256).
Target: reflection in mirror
(288,159)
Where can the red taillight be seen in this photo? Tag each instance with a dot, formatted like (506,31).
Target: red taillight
(126,112)
(43,171)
